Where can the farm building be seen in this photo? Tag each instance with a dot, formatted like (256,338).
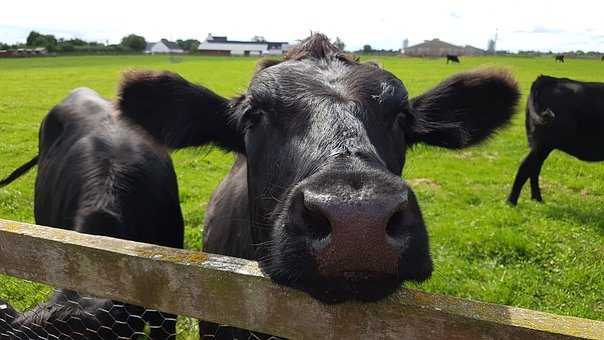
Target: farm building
(24,52)
(439,48)
(471,50)
(163,46)
(216,45)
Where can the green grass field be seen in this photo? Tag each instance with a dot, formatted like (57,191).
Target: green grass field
(548,257)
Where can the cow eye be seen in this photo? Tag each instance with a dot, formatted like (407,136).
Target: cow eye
(250,117)
(401,120)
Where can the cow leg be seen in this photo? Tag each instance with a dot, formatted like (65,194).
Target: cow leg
(524,172)
(535,189)
(210,330)
(7,315)
(162,326)
(168,328)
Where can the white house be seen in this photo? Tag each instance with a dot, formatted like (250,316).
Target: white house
(163,46)
(214,45)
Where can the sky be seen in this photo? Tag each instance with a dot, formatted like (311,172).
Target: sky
(552,25)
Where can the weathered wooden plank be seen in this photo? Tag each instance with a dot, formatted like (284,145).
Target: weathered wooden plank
(234,291)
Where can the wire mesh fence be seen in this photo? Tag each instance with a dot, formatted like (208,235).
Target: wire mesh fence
(67,315)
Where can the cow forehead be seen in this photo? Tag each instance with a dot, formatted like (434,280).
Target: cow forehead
(296,81)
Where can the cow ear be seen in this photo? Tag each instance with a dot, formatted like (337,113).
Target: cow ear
(463,110)
(176,112)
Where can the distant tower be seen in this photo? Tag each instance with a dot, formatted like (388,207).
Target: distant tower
(492,49)
(405,45)
(492,46)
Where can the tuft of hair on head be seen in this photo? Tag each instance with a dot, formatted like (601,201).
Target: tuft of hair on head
(373,63)
(352,57)
(316,46)
(266,63)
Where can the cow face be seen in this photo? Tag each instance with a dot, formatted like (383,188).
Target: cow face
(325,139)
(325,143)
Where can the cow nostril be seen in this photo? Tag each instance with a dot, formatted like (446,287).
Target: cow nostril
(394,229)
(317,224)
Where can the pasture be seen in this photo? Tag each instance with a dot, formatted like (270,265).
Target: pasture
(547,257)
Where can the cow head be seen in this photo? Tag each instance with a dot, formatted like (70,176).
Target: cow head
(325,139)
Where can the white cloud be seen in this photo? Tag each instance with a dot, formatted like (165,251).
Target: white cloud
(546,25)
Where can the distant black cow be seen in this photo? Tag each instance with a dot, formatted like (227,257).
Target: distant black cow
(452,58)
(562,114)
(99,174)
(559,58)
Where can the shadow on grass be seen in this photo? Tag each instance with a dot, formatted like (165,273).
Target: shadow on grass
(585,215)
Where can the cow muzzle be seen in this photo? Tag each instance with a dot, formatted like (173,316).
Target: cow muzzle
(357,226)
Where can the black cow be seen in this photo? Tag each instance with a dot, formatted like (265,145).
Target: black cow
(99,174)
(316,194)
(562,114)
(452,58)
(602,59)
(559,58)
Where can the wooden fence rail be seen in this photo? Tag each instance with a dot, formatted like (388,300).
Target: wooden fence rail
(234,292)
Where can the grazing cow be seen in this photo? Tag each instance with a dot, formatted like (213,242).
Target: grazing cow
(316,194)
(560,58)
(562,114)
(452,58)
(99,174)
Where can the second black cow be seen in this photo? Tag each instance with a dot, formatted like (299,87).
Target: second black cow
(562,114)
(99,174)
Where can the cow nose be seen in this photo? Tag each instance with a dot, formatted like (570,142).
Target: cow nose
(356,234)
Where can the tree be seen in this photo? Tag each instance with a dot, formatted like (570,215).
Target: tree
(258,38)
(339,44)
(188,45)
(194,45)
(367,49)
(77,42)
(66,47)
(35,39)
(134,42)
